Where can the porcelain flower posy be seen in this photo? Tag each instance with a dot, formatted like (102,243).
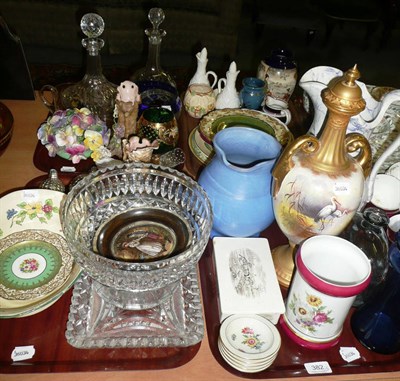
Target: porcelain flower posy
(74,134)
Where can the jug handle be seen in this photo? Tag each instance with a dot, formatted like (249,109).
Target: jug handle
(221,82)
(307,143)
(370,183)
(51,104)
(214,76)
(386,101)
(356,142)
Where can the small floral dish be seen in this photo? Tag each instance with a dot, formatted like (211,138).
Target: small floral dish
(249,343)
(74,134)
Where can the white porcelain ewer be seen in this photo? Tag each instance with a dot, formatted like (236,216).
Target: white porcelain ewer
(317,79)
(201,75)
(227,95)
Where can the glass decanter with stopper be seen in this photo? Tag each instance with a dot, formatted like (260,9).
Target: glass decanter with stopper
(156,87)
(94,91)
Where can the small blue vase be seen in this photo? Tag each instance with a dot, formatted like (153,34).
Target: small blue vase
(238,181)
(377,324)
(252,94)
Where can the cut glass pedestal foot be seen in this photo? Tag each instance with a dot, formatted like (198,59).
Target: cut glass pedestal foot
(94,323)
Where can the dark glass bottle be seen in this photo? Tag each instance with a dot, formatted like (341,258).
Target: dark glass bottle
(156,86)
(368,232)
(377,324)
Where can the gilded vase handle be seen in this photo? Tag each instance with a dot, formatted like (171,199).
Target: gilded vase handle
(356,142)
(307,143)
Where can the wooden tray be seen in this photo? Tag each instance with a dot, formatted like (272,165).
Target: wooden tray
(291,357)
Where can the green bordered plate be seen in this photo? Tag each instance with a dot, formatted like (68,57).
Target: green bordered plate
(217,120)
(33,263)
(200,139)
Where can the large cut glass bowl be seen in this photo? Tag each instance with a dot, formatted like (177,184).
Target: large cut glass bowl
(136,230)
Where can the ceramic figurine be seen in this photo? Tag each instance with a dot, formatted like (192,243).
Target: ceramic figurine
(136,150)
(228,96)
(319,183)
(127,104)
(201,75)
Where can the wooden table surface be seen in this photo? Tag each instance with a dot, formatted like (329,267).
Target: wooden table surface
(16,170)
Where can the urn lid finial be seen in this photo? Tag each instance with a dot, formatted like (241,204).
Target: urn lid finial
(344,94)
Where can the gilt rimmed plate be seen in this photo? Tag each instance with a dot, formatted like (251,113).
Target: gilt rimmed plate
(246,366)
(23,308)
(200,148)
(33,263)
(217,120)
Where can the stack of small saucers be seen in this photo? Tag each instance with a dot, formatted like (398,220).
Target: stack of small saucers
(248,343)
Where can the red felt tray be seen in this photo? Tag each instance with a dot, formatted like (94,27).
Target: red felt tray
(292,357)
(46,332)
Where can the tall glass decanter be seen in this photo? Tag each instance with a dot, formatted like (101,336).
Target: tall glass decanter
(156,87)
(94,91)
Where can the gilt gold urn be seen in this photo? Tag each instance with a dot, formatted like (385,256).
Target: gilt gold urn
(318,183)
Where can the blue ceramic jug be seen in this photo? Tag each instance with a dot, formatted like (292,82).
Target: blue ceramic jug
(238,181)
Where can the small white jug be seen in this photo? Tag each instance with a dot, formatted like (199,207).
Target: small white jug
(227,95)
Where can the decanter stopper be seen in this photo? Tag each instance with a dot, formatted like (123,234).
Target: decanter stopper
(156,17)
(92,26)
(53,182)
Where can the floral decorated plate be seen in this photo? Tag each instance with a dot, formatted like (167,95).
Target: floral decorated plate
(23,308)
(32,264)
(21,212)
(30,209)
(217,120)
